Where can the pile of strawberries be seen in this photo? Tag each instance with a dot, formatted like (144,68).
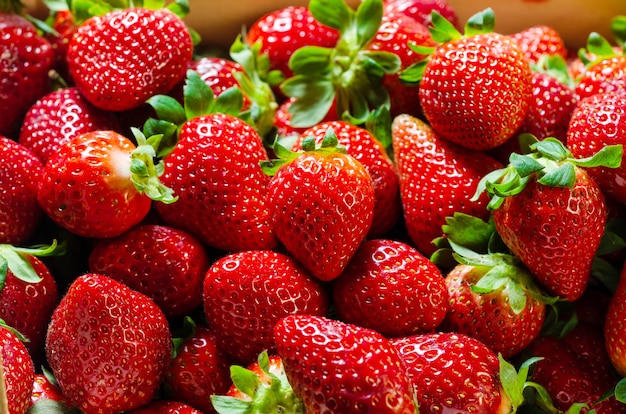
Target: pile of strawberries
(371,210)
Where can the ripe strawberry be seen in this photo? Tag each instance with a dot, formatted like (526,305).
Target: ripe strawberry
(322,204)
(437,179)
(25,58)
(421,10)
(148,257)
(389,287)
(88,187)
(166,407)
(47,397)
(453,372)
(107,345)
(539,41)
(550,192)
(603,74)
(475,88)
(338,367)
(217,72)
(246,293)
(615,322)
(20,172)
(120,59)
(369,151)
(598,121)
(65,25)
(198,370)
(17,372)
(58,117)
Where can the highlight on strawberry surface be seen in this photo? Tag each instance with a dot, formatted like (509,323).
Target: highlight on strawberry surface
(325,206)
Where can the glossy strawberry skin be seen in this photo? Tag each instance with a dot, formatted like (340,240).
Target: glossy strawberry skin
(475,91)
(86,187)
(540,40)
(148,257)
(275,366)
(166,407)
(421,10)
(453,372)
(122,58)
(366,149)
(228,211)
(246,293)
(561,218)
(389,287)
(615,326)
(218,73)
(43,389)
(598,121)
(322,209)
(343,368)
(107,345)
(60,116)
(18,371)
(26,58)
(199,370)
(437,179)
(20,172)
(604,76)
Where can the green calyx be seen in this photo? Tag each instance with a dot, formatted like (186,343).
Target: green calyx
(348,74)
(15,260)
(599,48)
(275,397)
(548,161)
(85,9)
(556,67)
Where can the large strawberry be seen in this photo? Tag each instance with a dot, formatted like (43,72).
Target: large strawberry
(544,203)
(390,287)
(17,372)
(342,368)
(474,88)
(322,204)
(437,179)
(246,293)
(20,172)
(107,345)
(121,58)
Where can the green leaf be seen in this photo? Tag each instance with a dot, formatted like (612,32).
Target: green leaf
(517,297)
(481,22)
(607,274)
(618,28)
(379,125)
(468,231)
(311,60)
(314,98)
(609,156)
(490,282)
(198,96)
(620,390)
(599,46)
(18,264)
(442,30)
(369,15)
(332,13)
(413,74)
(509,380)
(388,62)
(551,148)
(562,176)
(168,109)
(524,164)
(230,405)
(228,102)
(179,7)
(245,380)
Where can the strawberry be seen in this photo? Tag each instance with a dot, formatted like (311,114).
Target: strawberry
(25,58)
(246,293)
(474,88)
(121,58)
(198,370)
(615,321)
(421,10)
(389,287)
(539,41)
(597,121)
(107,345)
(369,151)
(64,25)
(322,204)
(88,188)
(550,192)
(150,256)
(58,117)
(20,171)
(47,397)
(218,73)
(603,74)
(437,179)
(338,367)
(166,407)
(17,372)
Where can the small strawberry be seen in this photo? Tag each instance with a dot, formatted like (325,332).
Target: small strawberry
(20,172)
(539,41)
(322,204)
(165,407)
(389,287)
(17,372)
(605,73)
(107,345)
(437,179)
(58,117)
(120,59)
(246,293)
(421,10)
(342,368)
(150,256)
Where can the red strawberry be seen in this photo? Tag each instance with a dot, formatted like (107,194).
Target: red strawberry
(421,10)
(389,287)
(20,172)
(198,370)
(369,151)
(342,368)
(540,40)
(25,58)
(217,72)
(65,25)
(474,89)
(47,397)
(322,205)
(17,372)
(58,117)
(453,372)
(598,121)
(88,188)
(148,257)
(246,293)
(437,179)
(166,407)
(107,345)
(122,58)
(605,72)
(614,327)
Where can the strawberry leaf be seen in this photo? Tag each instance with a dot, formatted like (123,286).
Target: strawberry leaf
(442,30)
(562,176)
(198,96)
(17,264)
(310,60)
(481,22)
(599,46)
(608,156)
(332,13)
(167,109)
(524,164)
(618,28)
(369,14)
(230,405)
(620,390)
(551,148)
